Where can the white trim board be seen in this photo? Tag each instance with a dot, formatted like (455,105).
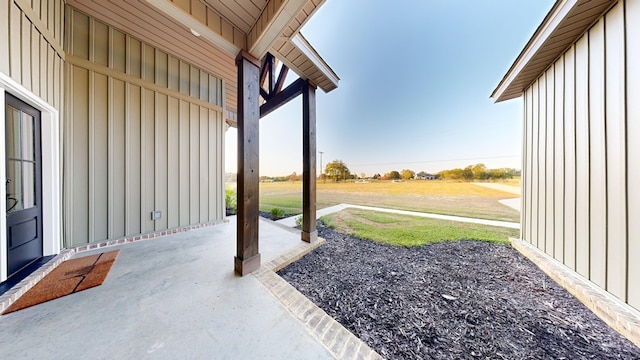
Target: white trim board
(51,180)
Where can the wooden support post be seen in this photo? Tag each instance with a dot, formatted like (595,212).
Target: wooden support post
(247,256)
(309,231)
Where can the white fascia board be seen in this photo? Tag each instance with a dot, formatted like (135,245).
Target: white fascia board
(545,32)
(193,24)
(283,17)
(303,45)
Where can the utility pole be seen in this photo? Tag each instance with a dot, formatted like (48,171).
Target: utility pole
(321,168)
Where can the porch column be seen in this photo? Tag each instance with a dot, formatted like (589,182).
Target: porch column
(247,256)
(309,231)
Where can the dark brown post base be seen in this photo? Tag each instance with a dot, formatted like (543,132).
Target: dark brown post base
(310,237)
(244,267)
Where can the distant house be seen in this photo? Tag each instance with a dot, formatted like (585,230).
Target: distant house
(425,176)
(579,77)
(115,114)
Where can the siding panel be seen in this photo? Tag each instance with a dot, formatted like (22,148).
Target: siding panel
(80,156)
(535,166)
(194,165)
(147,142)
(35,62)
(184,159)
(570,160)
(558,158)
(161,161)
(15,40)
(100,43)
(26,37)
(117,159)
(528,209)
(616,153)
(549,163)
(173,181)
(174,73)
(213,164)
(54,75)
(98,148)
(80,35)
(203,132)
(597,151)
(148,63)
(582,157)
(25,47)
(523,202)
(118,51)
(161,70)
(134,163)
(632,14)
(542,166)
(5,35)
(48,72)
(134,59)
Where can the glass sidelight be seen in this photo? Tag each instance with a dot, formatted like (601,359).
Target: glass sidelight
(21,160)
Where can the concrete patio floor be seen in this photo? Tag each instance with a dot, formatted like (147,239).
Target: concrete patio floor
(177,297)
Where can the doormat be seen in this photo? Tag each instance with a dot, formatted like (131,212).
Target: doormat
(69,277)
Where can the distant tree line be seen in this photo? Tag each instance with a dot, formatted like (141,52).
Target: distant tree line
(292,178)
(337,170)
(478,172)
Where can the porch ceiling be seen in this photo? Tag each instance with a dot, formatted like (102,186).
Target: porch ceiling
(562,27)
(225,27)
(242,14)
(257,26)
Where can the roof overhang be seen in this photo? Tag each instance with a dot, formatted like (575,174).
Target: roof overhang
(266,27)
(565,23)
(298,54)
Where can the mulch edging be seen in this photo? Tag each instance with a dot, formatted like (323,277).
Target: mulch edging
(463,299)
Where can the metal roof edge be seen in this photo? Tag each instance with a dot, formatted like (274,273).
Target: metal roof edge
(300,42)
(544,31)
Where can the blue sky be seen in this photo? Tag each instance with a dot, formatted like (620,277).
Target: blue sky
(416,76)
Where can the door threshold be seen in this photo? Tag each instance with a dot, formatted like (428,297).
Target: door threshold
(14,279)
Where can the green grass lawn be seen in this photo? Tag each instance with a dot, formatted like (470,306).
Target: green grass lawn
(439,197)
(291,204)
(402,230)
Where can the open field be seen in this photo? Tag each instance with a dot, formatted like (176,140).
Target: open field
(514,182)
(440,197)
(409,231)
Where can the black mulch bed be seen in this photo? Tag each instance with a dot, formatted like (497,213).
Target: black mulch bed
(452,300)
(267,215)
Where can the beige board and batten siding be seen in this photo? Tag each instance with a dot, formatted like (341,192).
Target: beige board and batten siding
(144,131)
(582,139)
(146,23)
(31,47)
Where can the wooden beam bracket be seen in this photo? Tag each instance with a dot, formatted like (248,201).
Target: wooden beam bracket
(271,86)
(278,99)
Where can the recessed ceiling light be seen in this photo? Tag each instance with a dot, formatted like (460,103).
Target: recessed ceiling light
(195,33)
